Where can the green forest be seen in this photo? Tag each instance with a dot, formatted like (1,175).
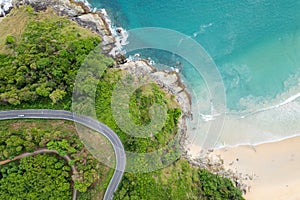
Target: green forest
(179,180)
(39,62)
(50,180)
(43,59)
(49,176)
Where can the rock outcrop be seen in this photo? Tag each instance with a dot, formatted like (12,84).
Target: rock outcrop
(98,22)
(61,7)
(215,164)
(168,81)
(5,7)
(75,11)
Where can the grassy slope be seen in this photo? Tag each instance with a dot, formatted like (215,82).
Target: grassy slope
(178,181)
(56,63)
(15,23)
(35,176)
(67,130)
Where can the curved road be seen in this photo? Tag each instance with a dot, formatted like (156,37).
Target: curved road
(88,122)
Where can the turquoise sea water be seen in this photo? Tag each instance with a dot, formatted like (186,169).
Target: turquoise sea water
(254,43)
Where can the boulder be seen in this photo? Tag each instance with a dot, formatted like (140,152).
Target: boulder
(61,7)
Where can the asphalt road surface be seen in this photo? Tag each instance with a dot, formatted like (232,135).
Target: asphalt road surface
(88,122)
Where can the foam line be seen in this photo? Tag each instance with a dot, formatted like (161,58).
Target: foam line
(287,101)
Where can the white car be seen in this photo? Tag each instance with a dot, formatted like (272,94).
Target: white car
(21,115)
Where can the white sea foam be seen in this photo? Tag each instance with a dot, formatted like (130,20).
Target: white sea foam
(286,101)
(120,34)
(258,104)
(272,122)
(5,5)
(263,120)
(207,118)
(86,3)
(202,29)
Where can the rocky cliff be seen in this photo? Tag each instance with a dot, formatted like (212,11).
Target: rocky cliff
(168,81)
(76,11)
(98,22)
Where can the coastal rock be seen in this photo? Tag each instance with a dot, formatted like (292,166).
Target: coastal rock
(168,81)
(137,68)
(96,22)
(61,7)
(111,45)
(5,7)
(77,11)
(215,164)
(172,81)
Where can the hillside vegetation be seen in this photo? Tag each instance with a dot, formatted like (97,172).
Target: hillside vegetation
(40,59)
(48,175)
(38,177)
(177,181)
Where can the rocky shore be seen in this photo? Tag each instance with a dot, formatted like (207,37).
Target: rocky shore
(168,81)
(112,41)
(5,7)
(111,44)
(78,12)
(213,162)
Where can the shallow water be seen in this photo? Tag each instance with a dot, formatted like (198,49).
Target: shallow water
(256,47)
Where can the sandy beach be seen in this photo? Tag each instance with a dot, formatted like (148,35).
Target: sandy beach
(275,167)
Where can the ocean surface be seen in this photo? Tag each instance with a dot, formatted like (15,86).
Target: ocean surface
(255,45)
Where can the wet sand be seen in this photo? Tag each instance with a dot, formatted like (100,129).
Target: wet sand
(275,167)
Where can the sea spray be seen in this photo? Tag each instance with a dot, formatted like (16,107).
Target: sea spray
(86,3)
(255,54)
(5,6)
(119,33)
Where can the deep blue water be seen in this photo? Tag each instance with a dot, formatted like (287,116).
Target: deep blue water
(255,43)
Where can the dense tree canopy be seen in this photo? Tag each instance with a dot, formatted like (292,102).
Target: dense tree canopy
(20,137)
(39,71)
(44,61)
(37,177)
(177,181)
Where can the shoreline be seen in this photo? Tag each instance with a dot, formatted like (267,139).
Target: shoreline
(237,162)
(275,167)
(265,171)
(107,19)
(112,41)
(113,38)
(169,81)
(81,13)
(259,143)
